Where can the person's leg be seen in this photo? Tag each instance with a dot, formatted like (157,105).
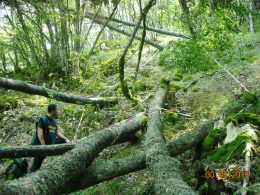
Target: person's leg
(37,162)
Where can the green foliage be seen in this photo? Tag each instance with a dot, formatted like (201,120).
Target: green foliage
(178,76)
(243,118)
(186,56)
(175,86)
(212,139)
(203,188)
(109,67)
(142,85)
(7,102)
(171,117)
(25,116)
(249,98)
(232,149)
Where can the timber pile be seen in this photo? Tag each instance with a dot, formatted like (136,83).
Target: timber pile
(63,174)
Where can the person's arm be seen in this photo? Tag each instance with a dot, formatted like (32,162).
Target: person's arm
(59,134)
(40,135)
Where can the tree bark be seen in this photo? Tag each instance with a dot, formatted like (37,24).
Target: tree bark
(176,147)
(148,28)
(165,169)
(63,168)
(38,90)
(121,64)
(106,170)
(149,42)
(34,150)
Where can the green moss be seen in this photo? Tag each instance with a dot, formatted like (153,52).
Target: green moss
(195,89)
(212,139)
(25,116)
(7,102)
(203,188)
(187,78)
(232,149)
(178,77)
(109,66)
(249,98)
(175,86)
(243,117)
(164,82)
(142,86)
(172,117)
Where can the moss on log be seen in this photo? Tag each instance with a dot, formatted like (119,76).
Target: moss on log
(164,168)
(51,179)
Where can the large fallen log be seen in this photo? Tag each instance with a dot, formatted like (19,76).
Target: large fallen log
(110,169)
(183,144)
(63,168)
(110,26)
(160,31)
(34,150)
(38,90)
(164,168)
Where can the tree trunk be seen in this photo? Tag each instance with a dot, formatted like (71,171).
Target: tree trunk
(184,143)
(186,13)
(149,42)
(110,169)
(160,31)
(121,64)
(38,90)
(165,169)
(34,150)
(63,168)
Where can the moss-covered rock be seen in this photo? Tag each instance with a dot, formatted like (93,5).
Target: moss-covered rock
(232,149)
(243,117)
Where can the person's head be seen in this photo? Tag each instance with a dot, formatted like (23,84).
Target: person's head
(52,110)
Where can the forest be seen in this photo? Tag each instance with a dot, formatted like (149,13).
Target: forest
(130,97)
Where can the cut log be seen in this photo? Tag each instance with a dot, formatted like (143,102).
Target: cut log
(160,31)
(60,170)
(34,150)
(110,169)
(38,90)
(164,168)
(110,26)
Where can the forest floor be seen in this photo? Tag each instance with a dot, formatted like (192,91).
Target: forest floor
(212,93)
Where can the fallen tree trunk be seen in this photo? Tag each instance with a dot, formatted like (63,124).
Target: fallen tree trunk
(183,144)
(110,169)
(165,169)
(160,31)
(38,90)
(34,150)
(60,170)
(110,26)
